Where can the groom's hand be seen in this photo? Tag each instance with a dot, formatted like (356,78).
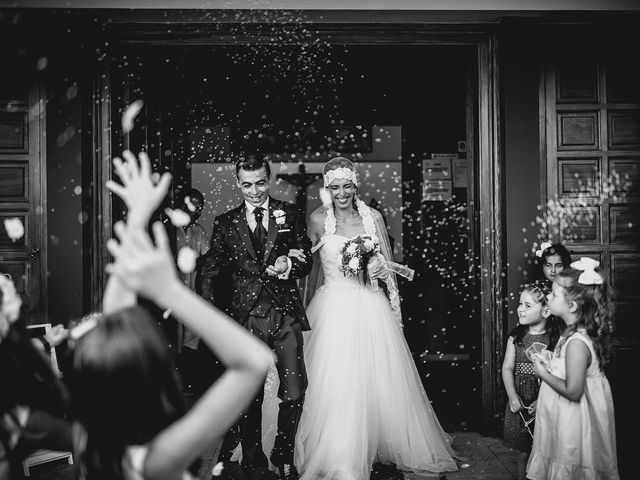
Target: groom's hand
(279,267)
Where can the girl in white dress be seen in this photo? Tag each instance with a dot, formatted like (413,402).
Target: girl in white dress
(575,434)
(365,402)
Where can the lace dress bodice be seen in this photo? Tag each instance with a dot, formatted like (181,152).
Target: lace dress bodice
(332,243)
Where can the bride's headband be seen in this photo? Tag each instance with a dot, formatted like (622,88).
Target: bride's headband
(340,172)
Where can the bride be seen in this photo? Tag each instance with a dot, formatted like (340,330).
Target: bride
(365,402)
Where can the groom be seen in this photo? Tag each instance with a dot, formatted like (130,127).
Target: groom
(252,241)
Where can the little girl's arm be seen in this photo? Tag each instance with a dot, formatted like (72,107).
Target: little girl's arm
(508,367)
(577,360)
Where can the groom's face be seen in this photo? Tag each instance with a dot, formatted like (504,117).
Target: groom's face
(254,185)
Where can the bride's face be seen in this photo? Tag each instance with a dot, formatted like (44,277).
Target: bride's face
(342,192)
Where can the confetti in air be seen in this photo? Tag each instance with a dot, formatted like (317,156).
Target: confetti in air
(571,217)
(217,469)
(178,217)
(187,260)
(130,115)
(14,228)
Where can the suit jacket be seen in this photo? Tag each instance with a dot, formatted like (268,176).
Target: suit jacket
(231,251)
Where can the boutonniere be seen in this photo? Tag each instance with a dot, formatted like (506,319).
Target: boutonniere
(280,217)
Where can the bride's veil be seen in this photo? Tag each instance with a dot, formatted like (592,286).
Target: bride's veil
(314,280)
(392,267)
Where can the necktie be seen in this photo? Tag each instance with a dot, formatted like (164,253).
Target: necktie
(260,232)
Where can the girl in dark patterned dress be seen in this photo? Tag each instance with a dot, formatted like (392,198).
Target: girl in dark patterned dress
(535,324)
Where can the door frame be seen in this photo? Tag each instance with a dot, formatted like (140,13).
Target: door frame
(484,144)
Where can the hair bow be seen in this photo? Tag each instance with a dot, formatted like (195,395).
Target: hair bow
(543,247)
(589,276)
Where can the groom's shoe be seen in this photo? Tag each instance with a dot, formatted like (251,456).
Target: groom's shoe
(287,471)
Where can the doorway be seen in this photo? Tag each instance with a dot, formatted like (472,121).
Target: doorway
(393,109)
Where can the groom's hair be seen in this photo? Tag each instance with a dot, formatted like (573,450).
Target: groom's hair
(253,162)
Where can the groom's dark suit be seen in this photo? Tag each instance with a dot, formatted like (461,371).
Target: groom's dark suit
(269,308)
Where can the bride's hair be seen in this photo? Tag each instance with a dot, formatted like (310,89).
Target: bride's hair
(339,167)
(338,162)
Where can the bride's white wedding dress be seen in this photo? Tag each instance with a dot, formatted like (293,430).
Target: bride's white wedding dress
(365,402)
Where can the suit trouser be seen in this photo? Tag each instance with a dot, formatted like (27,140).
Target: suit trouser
(284,335)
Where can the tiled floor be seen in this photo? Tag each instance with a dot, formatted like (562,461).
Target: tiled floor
(485,458)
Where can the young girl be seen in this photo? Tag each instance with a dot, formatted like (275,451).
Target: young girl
(124,390)
(574,436)
(552,259)
(535,324)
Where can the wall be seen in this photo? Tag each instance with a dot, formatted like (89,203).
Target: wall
(522,160)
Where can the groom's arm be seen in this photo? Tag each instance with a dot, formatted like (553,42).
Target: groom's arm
(211,264)
(300,268)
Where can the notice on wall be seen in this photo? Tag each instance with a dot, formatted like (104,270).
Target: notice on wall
(459,172)
(437,190)
(436,169)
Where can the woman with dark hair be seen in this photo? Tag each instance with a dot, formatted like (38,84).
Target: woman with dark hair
(124,389)
(552,259)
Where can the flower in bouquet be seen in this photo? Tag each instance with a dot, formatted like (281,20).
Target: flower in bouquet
(356,253)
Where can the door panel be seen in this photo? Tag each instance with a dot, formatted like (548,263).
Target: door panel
(22,195)
(593,167)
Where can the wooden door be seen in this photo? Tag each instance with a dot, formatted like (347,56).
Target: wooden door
(23,194)
(593,170)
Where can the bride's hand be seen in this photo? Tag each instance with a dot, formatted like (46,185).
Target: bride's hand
(376,268)
(297,253)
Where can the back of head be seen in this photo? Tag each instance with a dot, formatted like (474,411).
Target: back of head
(124,389)
(594,307)
(253,162)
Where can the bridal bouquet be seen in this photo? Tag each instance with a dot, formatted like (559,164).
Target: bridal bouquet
(356,253)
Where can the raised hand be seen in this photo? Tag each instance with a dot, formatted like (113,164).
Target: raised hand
(56,335)
(141,191)
(141,266)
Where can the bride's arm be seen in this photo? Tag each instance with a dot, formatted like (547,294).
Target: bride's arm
(315,228)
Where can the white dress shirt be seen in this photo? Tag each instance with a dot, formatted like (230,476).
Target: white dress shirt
(251,220)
